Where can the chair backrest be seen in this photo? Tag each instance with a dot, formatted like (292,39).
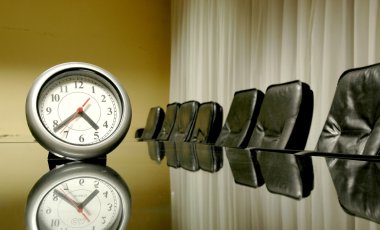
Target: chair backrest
(153,124)
(284,123)
(285,117)
(241,118)
(353,124)
(169,120)
(208,123)
(184,123)
(353,127)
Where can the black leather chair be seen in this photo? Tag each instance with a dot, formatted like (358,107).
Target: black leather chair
(184,124)
(208,123)
(153,124)
(283,123)
(182,131)
(156,148)
(241,118)
(169,121)
(206,130)
(352,131)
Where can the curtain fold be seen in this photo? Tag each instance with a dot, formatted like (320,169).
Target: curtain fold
(221,46)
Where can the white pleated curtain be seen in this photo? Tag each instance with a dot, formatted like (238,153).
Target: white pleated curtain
(221,46)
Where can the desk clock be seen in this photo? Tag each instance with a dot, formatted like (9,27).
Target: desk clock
(78,110)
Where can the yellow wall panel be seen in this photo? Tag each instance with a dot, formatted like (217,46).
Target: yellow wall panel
(131,39)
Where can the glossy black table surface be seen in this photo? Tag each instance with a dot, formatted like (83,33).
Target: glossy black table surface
(229,188)
(25,162)
(181,186)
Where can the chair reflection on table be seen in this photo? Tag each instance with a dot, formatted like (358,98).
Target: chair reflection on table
(201,156)
(156,150)
(357,184)
(78,194)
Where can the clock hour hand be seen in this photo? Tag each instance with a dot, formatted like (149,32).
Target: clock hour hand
(88,199)
(89,120)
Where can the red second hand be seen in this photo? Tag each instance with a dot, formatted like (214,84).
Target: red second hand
(80,210)
(79,110)
(84,104)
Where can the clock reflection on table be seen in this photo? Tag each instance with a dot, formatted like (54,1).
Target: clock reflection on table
(79,195)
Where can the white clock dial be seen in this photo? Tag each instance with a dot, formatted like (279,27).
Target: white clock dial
(78,111)
(80,203)
(78,108)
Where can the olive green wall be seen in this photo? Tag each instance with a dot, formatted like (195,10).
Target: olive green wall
(129,38)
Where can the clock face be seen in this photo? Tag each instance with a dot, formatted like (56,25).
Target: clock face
(80,203)
(78,111)
(79,108)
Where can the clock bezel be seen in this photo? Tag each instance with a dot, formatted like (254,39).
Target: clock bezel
(69,150)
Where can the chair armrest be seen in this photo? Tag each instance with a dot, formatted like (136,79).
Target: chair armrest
(138,134)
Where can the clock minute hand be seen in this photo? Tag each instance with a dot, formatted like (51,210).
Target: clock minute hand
(66,121)
(88,199)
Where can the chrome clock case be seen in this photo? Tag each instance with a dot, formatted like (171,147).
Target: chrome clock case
(70,150)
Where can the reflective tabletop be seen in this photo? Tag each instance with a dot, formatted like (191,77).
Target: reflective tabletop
(229,188)
(24,163)
(186,186)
